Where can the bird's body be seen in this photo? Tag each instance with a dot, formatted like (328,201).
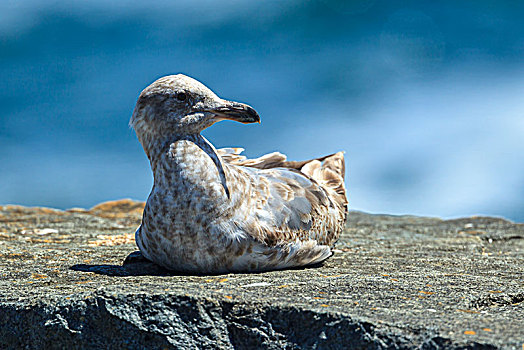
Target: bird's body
(214,211)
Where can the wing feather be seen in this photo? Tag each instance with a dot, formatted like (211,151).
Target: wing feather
(293,201)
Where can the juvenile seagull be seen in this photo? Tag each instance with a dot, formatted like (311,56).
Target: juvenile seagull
(214,211)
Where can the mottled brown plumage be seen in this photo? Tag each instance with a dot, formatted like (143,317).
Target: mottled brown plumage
(213,211)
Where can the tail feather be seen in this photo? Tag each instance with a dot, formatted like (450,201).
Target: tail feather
(330,173)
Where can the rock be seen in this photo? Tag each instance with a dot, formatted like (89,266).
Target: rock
(73,279)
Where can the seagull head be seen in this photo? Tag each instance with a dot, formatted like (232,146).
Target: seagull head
(180,105)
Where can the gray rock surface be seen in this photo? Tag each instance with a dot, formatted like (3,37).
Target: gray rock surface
(394,282)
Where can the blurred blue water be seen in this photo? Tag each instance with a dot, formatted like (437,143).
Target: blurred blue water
(425,97)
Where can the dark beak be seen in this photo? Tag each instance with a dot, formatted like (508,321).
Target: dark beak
(236,111)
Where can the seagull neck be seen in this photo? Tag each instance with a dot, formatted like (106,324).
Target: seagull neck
(188,159)
(170,149)
(156,147)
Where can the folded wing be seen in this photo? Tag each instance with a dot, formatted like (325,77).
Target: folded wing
(294,201)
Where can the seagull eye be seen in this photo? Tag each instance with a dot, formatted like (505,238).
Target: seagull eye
(181,96)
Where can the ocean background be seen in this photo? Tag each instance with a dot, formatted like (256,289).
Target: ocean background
(425,97)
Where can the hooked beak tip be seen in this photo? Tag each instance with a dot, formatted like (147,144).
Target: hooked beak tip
(236,111)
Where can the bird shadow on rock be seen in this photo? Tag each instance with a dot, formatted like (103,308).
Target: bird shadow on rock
(135,264)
